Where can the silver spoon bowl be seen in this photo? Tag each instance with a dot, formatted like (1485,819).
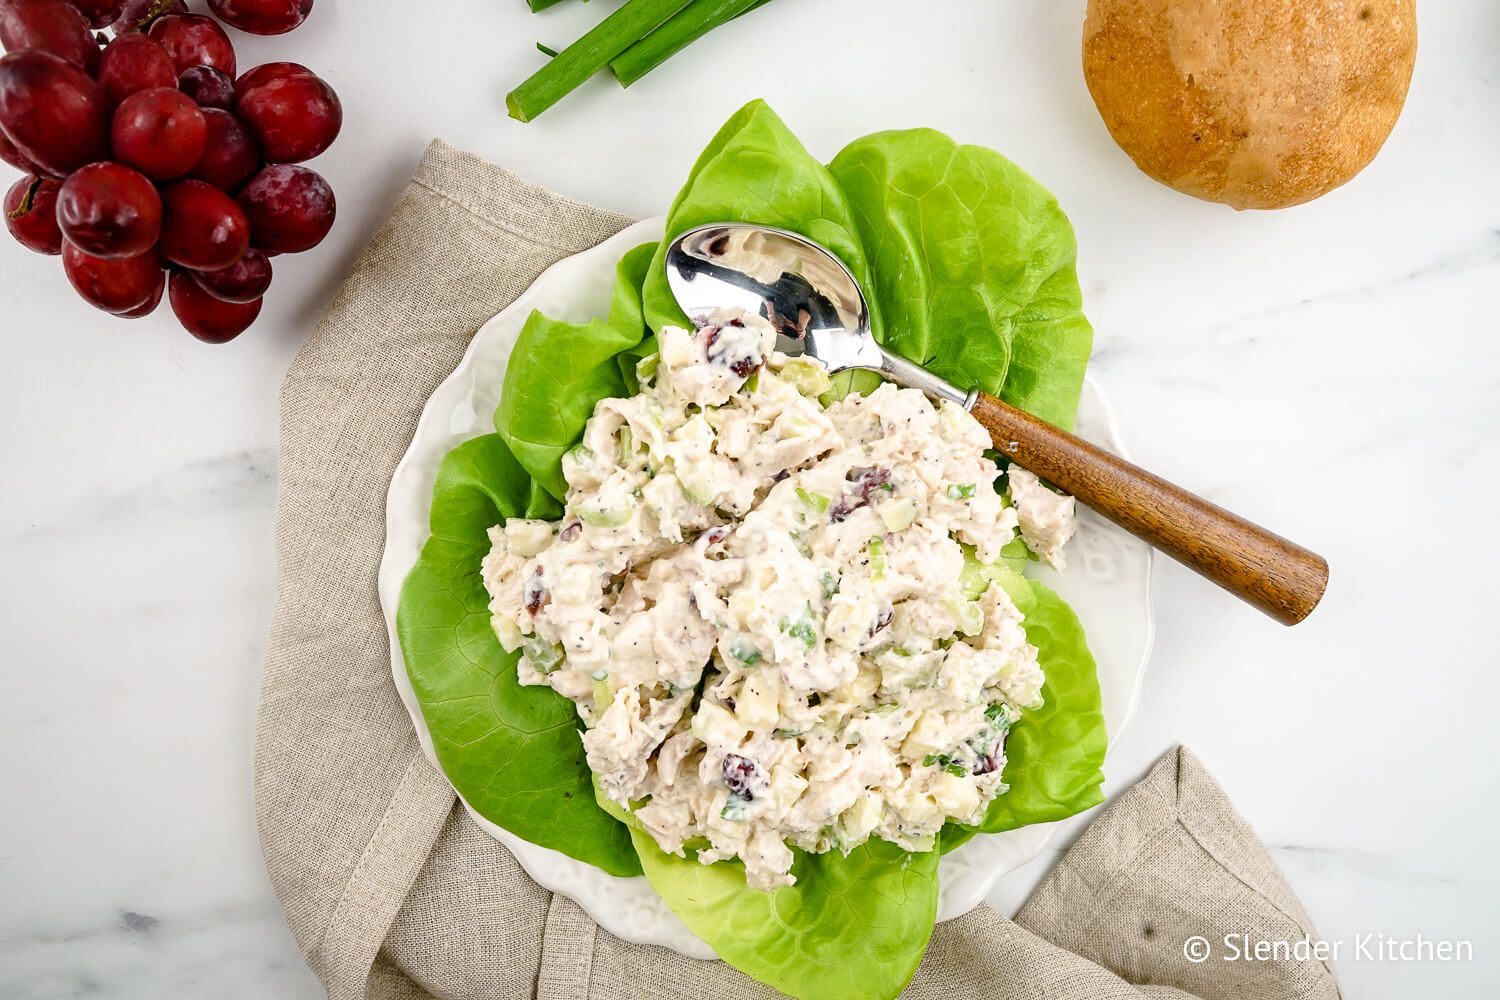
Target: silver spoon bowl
(807,293)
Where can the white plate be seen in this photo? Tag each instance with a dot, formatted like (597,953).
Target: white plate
(1107,583)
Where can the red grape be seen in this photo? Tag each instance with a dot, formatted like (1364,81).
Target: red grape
(149,306)
(290,208)
(116,286)
(202,227)
(110,210)
(205,317)
(132,63)
(10,154)
(209,87)
(99,13)
(246,280)
(107,210)
(137,15)
(56,117)
(267,72)
(229,156)
(262,17)
(160,132)
(31,214)
(50,25)
(294,118)
(194,40)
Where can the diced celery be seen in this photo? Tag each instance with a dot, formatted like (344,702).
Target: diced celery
(798,426)
(876,550)
(611,516)
(508,632)
(627,445)
(735,809)
(646,368)
(968,614)
(815,501)
(576,458)
(807,376)
(543,656)
(961,491)
(897,514)
(603,696)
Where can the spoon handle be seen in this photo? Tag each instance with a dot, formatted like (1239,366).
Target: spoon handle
(1280,578)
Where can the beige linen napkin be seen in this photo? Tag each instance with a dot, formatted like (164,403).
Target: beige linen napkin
(393,893)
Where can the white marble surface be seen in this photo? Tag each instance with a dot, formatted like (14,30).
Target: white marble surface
(1331,370)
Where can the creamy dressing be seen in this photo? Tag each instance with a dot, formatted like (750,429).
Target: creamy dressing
(759,605)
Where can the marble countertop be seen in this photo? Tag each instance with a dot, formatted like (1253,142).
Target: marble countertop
(1331,371)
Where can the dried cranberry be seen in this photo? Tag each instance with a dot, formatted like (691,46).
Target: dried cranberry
(866,480)
(570,532)
(986,764)
(535,592)
(742,776)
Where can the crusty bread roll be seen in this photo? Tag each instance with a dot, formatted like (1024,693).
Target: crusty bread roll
(1254,103)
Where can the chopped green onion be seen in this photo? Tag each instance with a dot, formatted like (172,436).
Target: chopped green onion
(633,21)
(960,491)
(801,630)
(546,50)
(947,763)
(830,583)
(745,653)
(689,25)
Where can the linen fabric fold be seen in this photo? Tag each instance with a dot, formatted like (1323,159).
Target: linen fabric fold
(389,888)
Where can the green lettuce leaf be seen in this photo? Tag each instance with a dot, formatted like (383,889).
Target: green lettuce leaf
(756,170)
(558,371)
(512,752)
(972,267)
(1054,754)
(851,928)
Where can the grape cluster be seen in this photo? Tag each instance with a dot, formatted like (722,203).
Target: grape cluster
(153,167)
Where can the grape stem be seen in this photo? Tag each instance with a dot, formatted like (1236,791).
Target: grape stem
(153,13)
(690,24)
(561,76)
(28,199)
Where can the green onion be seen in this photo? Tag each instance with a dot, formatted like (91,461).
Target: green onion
(546,50)
(537,5)
(591,53)
(691,24)
(961,491)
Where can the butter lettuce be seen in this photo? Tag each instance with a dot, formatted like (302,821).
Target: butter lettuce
(969,264)
(973,267)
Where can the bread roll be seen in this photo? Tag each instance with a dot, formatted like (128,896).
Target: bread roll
(1254,103)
